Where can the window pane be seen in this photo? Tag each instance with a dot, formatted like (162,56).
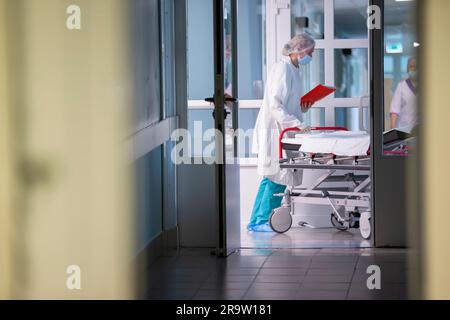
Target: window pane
(401,42)
(315,117)
(247,121)
(228,47)
(251,48)
(199,121)
(388,65)
(200,49)
(350,118)
(147,63)
(351,73)
(167,37)
(308,16)
(314,73)
(350,19)
(149,196)
(200,55)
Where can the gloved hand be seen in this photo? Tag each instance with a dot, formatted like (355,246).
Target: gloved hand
(305,106)
(305,130)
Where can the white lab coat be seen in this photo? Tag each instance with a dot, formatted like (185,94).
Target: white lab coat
(280,110)
(405,106)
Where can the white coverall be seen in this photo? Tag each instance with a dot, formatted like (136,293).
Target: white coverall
(280,110)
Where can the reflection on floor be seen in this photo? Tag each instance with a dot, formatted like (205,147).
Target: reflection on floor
(262,274)
(304,238)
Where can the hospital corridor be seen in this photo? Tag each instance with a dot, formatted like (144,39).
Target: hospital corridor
(224,150)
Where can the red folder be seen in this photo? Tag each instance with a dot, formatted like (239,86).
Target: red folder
(317,94)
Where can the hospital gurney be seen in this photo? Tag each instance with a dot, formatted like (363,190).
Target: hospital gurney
(344,158)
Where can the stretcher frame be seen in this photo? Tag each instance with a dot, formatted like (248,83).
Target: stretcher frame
(349,204)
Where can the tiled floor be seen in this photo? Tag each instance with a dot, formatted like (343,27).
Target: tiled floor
(304,238)
(299,274)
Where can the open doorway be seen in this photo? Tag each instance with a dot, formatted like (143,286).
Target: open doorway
(340,60)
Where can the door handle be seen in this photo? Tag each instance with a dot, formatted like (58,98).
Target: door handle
(228,99)
(225,111)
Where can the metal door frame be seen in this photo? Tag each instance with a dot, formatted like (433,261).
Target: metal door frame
(220,171)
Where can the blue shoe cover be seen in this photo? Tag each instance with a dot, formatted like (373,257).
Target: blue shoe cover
(262,228)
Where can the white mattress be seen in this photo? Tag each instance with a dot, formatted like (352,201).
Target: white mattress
(342,143)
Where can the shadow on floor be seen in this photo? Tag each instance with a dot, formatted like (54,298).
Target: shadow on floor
(304,238)
(261,274)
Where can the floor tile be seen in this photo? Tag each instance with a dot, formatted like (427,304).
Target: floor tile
(330,272)
(283,271)
(335,259)
(180,294)
(295,252)
(322,295)
(386,277)
(328,279)
(231,278)
(220,295)
(277,275)
(289,258)
(271,295)
(169,278)
(256,252)
(280,278)
(266,286)
(324,286)
(237,271)
(226,285)
(287,264)
(175,285)
(303,238)
(366,295)
(333,265)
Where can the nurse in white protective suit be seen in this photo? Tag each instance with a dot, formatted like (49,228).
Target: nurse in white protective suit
(281,109)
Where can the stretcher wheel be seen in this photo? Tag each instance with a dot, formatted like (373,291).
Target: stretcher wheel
(364,225)
(281,220)
(338,225)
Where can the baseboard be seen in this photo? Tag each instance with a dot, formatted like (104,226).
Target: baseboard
(161,245)
(164,242)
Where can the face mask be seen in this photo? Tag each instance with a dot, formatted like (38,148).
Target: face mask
(305,60)
(412,75)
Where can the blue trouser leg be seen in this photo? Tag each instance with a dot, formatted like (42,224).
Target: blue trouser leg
(266,201)
(258,200)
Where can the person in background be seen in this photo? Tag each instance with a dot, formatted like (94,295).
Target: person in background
(281,109)
(404,105)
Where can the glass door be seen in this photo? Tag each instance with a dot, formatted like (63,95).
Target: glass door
(225,122)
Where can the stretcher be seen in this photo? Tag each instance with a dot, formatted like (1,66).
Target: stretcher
(343,159)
